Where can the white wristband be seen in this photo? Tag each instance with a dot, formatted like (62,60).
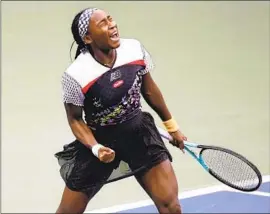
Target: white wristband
(96,148)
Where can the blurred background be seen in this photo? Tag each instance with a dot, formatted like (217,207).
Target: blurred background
(212,65)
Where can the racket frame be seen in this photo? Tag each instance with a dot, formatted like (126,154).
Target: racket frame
(188,145)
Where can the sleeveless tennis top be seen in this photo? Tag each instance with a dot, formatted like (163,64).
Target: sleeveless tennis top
(108,96)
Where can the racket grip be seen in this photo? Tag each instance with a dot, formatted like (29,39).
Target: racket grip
(168,137)
(164,134)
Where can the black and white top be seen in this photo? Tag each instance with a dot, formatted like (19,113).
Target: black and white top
(108,95)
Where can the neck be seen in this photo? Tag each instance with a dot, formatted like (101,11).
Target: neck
(105,57)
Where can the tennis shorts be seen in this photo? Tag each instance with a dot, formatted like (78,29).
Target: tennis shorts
(136,142)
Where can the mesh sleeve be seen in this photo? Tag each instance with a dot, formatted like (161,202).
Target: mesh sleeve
(148,61)
(72,91)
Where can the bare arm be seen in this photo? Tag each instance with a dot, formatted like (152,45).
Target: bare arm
(73,101)
(78,126)
(154,98)
(150,90)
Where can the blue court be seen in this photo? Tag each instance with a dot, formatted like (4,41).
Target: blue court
(215,199)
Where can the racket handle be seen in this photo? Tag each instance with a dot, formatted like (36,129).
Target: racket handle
(168,137)
(164,134)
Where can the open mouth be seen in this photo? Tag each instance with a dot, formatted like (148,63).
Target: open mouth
(114,36)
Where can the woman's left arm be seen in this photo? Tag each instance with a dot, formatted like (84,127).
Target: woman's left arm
(154,98)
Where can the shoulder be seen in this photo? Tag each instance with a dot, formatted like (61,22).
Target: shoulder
(130,43)
(69,76)
(135,44)
(78,64)
(131,47)
(83,69)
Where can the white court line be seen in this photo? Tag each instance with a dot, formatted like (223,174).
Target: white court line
(260,193)
(248,193)
(138,204)
(183,195)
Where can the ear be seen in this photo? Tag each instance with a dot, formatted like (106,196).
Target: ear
(88,40)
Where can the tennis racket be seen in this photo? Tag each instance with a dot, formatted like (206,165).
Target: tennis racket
(225,165)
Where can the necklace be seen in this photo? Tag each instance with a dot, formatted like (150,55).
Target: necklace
(108,64)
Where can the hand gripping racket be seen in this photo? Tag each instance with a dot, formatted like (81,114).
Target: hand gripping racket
(225,165)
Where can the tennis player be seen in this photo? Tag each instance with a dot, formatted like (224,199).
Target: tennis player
(105,82)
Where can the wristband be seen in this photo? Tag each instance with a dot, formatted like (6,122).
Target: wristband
(171,125)
(96,148)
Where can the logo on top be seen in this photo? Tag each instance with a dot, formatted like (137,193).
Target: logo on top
(115,75)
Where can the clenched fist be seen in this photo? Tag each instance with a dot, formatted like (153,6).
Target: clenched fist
(106,154)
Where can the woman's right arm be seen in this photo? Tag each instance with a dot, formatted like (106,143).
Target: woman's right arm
(73,99)
(78,126)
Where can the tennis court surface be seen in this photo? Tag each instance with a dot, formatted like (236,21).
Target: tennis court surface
(213,199)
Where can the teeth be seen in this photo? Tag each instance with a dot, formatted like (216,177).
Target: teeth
(115,34)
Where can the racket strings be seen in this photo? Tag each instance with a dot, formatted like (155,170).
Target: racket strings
(230,169)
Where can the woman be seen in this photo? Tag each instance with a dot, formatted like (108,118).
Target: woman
(105,82)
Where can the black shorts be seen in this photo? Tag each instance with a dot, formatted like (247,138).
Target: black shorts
(136,142)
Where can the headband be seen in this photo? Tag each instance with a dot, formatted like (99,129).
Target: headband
(84,21)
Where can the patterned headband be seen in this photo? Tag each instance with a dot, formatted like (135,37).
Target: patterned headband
(84,21)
